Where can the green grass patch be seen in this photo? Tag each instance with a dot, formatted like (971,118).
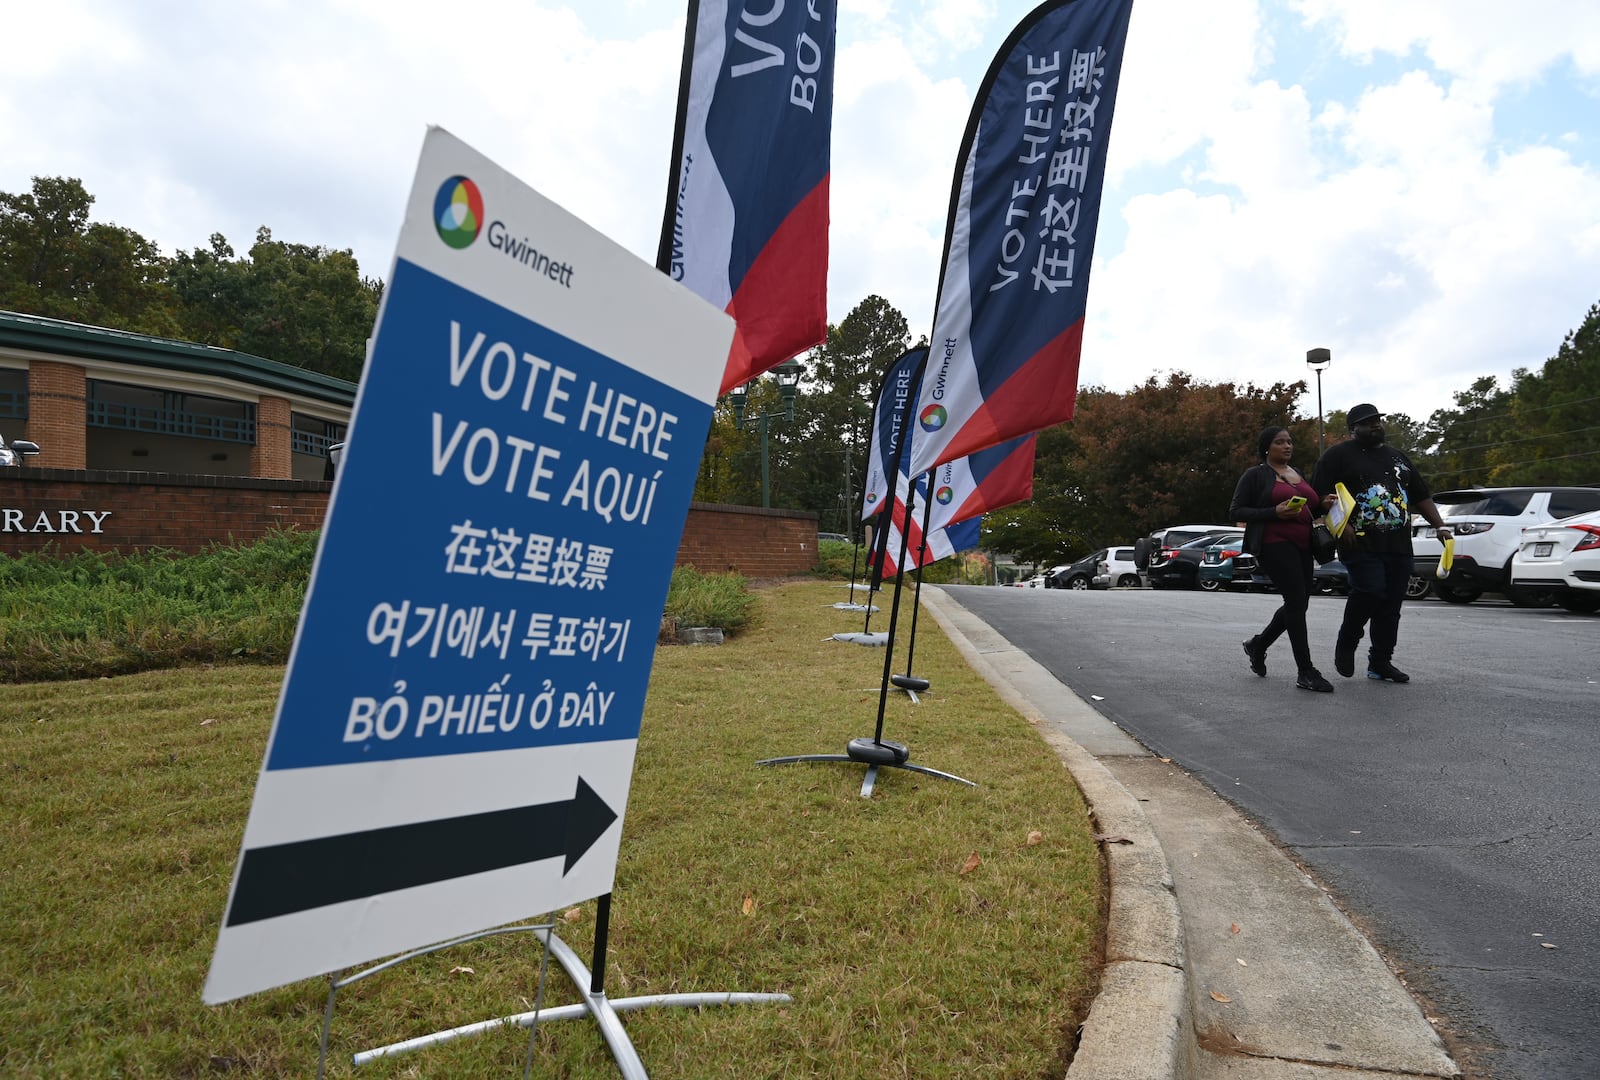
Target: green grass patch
(91,614)
(125,800)
(720,600)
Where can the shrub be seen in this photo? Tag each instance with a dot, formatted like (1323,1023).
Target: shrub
(720,600)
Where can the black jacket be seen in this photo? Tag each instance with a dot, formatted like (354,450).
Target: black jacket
(1253,505)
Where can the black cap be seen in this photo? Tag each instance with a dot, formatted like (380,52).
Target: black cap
(1361,414)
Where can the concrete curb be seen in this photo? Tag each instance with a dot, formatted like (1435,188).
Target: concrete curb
(1140,1026)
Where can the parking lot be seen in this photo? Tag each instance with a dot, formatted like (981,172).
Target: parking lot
(1453,816)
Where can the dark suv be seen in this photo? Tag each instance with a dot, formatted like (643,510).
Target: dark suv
(1078,575)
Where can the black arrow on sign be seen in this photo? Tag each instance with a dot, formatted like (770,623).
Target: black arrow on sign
(281,879)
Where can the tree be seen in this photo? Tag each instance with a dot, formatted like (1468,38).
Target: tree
(827,456)
(1459,440)
(55,262)
(808,457)
(1552,435)
(293,303)
(1130,462)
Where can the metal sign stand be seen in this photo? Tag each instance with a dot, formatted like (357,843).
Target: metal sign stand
(595,1002)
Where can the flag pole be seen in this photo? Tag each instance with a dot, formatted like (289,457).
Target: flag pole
(909,682)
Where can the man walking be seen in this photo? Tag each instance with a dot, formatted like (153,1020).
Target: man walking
(1376,543)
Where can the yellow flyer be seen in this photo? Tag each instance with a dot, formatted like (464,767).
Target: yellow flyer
(1339,513)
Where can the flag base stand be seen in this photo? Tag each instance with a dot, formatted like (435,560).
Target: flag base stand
(874,754)
(595,1004)
(876,640)
(910,683)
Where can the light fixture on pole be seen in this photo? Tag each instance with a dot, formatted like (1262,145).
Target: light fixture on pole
(788,375)
(1317,360)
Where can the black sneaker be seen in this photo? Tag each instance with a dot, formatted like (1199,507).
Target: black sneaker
(1258,657)
(1312,679)
(1386,672)
(1344,659)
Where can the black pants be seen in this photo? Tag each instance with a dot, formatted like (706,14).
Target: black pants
(1377,593)
(1289,567)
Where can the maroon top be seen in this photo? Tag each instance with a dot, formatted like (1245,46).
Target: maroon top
(1297,531)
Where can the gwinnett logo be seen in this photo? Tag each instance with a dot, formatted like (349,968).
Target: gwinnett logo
(933,418)
(458,212)
(944,495)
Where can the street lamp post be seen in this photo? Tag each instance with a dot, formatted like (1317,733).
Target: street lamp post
(788,374)
(1317,360)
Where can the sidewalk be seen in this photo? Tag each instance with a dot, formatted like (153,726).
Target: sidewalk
(1223,960)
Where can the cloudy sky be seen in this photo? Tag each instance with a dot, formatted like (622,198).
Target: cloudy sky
(1413,184)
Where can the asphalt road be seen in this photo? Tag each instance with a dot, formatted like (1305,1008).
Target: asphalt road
(1454,817)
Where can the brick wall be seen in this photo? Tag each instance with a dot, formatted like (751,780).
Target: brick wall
(749,540)
(61,509)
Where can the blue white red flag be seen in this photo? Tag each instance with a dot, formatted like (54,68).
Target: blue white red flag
(747,204)
(1008,324)
(993,477)
(895,395)
(921,548)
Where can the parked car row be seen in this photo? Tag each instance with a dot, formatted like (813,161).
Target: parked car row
(1175,564)
(1488,524)
(1534,545)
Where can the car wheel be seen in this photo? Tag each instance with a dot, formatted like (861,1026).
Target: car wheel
(1211,584)
(1141,553)
(1582,603)
(1453,594)
(1418,586)
(1128,581)
(1080,582)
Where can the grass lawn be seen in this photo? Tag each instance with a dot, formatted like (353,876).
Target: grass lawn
(934,930)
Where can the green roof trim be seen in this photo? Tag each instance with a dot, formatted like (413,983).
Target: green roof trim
(68,339)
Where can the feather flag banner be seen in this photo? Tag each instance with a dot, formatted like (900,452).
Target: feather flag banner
(922,548)
(1008,322)
(746,224)
(994,477)
(895,395)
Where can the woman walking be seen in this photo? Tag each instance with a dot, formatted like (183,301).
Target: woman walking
(1275,503)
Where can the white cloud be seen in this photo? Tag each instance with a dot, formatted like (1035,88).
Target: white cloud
(1282,173)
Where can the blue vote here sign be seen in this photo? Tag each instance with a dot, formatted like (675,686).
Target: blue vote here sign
(455,738)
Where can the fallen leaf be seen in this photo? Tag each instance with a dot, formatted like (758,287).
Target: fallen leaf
(572,914)
(972,863)
(1035,837)
(462,969)
(1217,995)
(1101,838)
(1234,929)
(749,905)
(1545,945)
(1240,961)
(208,722)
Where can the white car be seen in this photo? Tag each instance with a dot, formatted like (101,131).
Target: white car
(1488,524)
(1035,582)
(1117,570)
(1564,557)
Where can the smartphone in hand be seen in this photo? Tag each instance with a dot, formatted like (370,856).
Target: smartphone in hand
(1297,503)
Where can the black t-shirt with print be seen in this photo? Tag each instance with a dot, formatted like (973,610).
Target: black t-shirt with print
(1386,488)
